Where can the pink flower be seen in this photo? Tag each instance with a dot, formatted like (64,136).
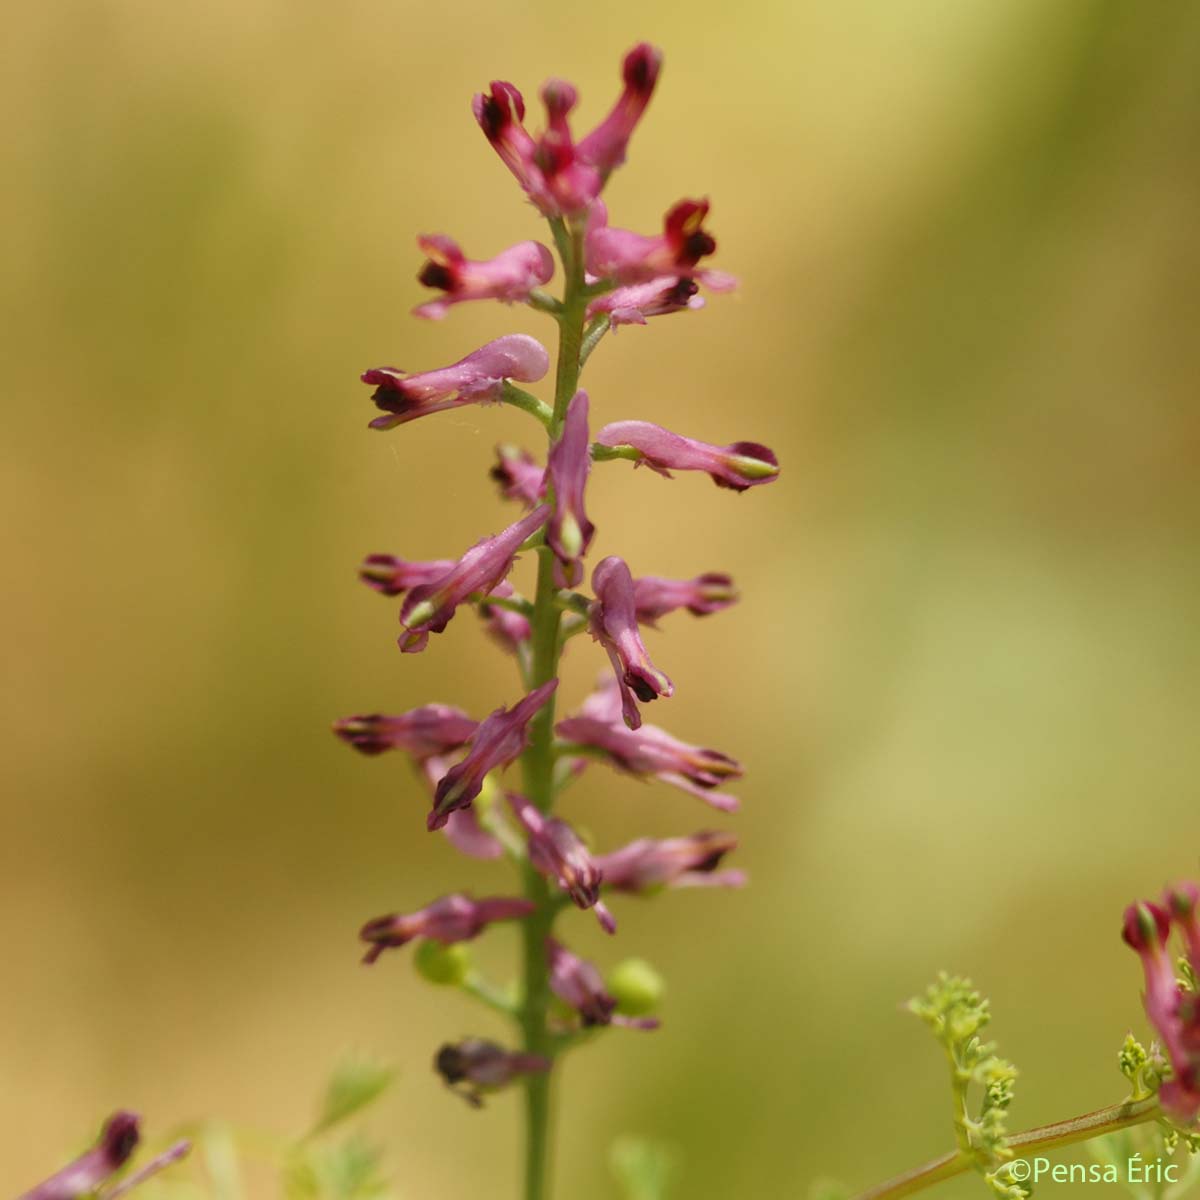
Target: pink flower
(655,597)
(511,631)
(630,257)
(499,739)
(475,379)
(1183,903)
(519,475)
(510,276)
(739,466)
(118,1140)
(604,148)
(576,982)
(569,532)
(393,576)
(648,865)
(501,113)
(484,1067)
(632,304)
(462,828)
(1172,1011)
(561,177)
(454,918)
(548,170)
(429,730)
(556,851)
(650,751)
(571,183)
(612,619)
(430,607)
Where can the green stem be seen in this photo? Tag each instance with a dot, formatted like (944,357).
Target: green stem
(537,763)
(527,403)
(1044,1137)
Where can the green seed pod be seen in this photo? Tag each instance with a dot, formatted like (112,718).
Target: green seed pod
(636,986)
(446,966)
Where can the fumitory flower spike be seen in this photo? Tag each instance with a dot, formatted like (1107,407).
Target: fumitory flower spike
(611,276)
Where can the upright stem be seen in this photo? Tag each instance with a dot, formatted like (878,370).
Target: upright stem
(538,761)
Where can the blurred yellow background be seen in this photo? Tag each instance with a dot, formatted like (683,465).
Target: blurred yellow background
(963,677)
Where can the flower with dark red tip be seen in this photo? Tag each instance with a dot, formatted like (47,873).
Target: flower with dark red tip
(462,829)
(392,576)
(499,739)
(651,751)
(117,1142)
(430,607)
(519,474)
(478,378)
(557,851)
(1172,1011)
(629,257)
(483,1067)
(1183,903)
(510,276)
(655,597)
(738,466)
(501,112)
(453,918)
(548,169)
(605,147)
(428,730)
(647,865)
(571,182)
(576,982)
(569,532)
(612,619)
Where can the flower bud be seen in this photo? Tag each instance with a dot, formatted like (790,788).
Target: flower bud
(443,965)
(636,986)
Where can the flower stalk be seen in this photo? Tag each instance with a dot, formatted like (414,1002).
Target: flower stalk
(537,763)
(1044,1137)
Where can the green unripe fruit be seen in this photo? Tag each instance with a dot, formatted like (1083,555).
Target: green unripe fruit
(636,986)
(446,966)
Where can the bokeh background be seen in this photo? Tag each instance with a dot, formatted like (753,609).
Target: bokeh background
(963,675)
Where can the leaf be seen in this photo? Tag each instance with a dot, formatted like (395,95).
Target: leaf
(828,1189)
(221,1162)
(644,1169)
(354,1085)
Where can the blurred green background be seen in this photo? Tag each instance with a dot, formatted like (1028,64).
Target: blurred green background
(963,676)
